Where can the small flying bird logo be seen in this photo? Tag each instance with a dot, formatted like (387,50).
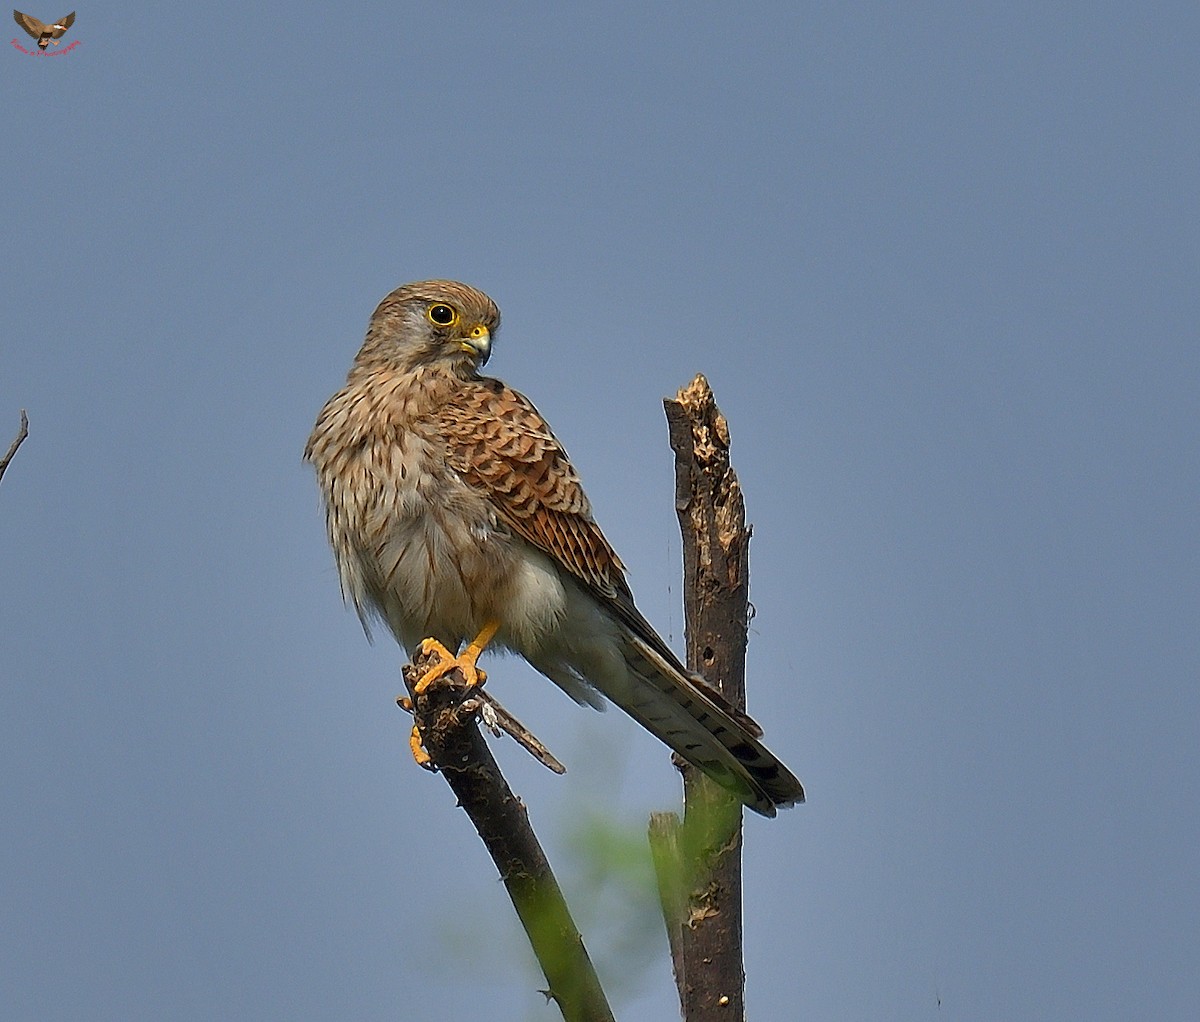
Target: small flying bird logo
(44,33)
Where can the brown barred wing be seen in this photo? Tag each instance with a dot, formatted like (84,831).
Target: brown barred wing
(499,443)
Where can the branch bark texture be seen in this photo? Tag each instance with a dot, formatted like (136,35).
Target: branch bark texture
(699,859)
(449,732)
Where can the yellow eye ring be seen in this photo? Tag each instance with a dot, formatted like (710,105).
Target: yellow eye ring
(441,314)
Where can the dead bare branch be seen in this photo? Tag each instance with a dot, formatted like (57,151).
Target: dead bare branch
(698,860)
(12,449)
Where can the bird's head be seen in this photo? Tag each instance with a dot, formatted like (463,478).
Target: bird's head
(432,322)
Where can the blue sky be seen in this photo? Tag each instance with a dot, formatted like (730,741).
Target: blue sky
(939,263)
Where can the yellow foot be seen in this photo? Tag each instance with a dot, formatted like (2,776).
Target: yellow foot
(447,662)
(465,661)
(418,750)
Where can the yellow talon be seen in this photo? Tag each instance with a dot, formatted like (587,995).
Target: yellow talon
(465,661)
(446,662)
(418,750)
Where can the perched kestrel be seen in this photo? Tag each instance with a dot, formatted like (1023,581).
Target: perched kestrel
(454,514)
(44,33)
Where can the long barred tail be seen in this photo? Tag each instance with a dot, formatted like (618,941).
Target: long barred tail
(692,718)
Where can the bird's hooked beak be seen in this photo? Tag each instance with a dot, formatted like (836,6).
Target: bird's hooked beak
(479,343)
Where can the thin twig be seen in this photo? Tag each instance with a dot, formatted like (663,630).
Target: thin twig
(445,715)
(492,715)
(12,449)
(499,718)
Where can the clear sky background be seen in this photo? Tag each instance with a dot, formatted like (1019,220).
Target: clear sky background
(939,262)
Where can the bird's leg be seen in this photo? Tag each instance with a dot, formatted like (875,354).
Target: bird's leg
(446,662)
(465,661)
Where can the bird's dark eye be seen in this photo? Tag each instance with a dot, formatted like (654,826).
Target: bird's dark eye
(442,315)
